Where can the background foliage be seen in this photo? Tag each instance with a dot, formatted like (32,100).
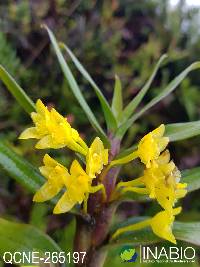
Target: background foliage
(109,37)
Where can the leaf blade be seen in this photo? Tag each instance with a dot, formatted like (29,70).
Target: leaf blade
(117,101)
(74,86)
(24,238)
(181,131)
(109,117)
(188,232)
(19,169)
(170,88)
(192,178)
(128,111)
(16,91)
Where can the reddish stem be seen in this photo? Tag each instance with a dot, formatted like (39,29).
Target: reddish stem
(92,234)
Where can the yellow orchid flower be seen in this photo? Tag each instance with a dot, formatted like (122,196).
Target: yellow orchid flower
(168,192)
(166,188)
(77,183)
(151,145)
(149,148)
(158,172)
(161,225)
(161,182)
(97,156)
(56,175)
(53,131)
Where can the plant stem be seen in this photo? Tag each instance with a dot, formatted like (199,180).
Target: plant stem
(92,234)
(96,259)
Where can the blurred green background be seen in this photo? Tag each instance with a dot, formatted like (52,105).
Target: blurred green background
(124,37)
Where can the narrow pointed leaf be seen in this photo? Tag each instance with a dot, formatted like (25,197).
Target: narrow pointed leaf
(188,232)
(128,111)
(117,101)
(75,88)
(181,131)
(25,238)
(184,231)
(19,169)
(170,88)
(16,91)
(192,178)
(108,114)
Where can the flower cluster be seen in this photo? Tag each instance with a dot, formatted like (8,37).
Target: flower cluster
(53,131)
(160,181)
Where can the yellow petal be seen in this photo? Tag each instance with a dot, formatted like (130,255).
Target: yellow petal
(48,161)
(96,157)
(163,142)
(76,169)
(164,158)
(165,196)
(45,171)
(75,134)
(177,210)
(57,116)
(64,204)
(159,131)
(151,145)
(180,193)
(181,185)
(161,225)
(45,142)
(47,191)
(29,133)
(40,107)
(36,117)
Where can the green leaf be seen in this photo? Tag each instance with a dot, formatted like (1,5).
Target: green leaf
(181,131)
(24,238)
(128,111)
(19,169)
(39,215)
(188,232)
(67,235)
(192,178)
(75,88)
(16,91)
(170,88)
(109,117)
(117,101)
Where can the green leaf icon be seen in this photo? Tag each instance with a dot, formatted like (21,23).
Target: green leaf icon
(127,254)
